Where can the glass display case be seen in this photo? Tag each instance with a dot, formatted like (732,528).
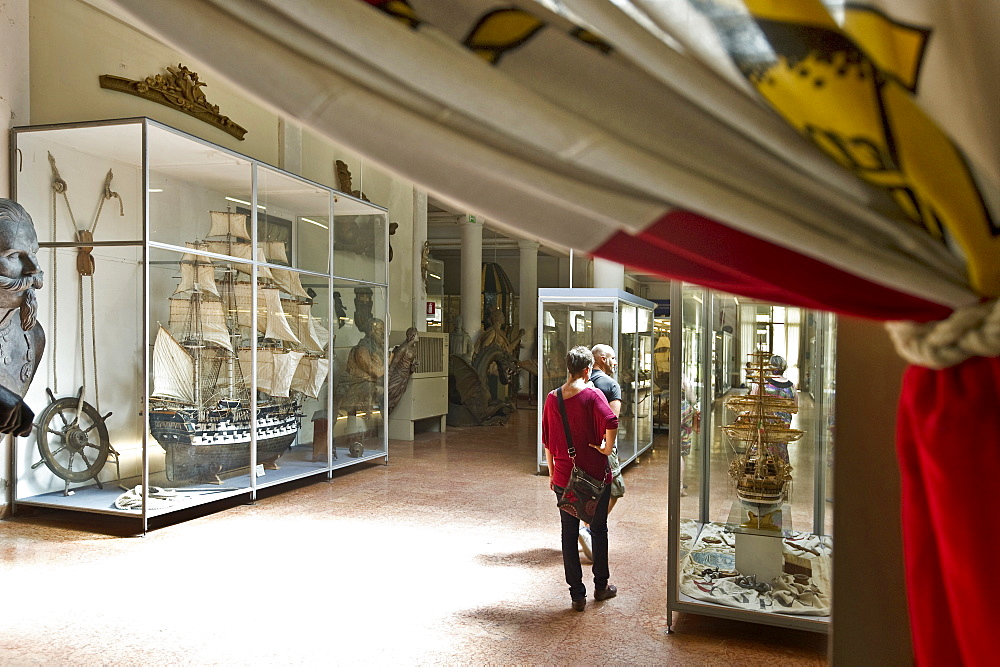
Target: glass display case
(588,316)
(205,315)
(750,506)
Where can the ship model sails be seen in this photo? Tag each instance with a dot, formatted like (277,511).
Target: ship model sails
(201,402)
(761,476)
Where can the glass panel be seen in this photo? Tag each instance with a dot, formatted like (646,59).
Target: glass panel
(691,400)
(200,393)
(628,379)
(661,373)
(293,221)
(84,158)
(292,369)
(644,374)
(566,325)
(89,431)
(359,235)
(755,511)
(192,185)
(359,373)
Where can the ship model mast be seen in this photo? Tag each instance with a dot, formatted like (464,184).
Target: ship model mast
(761,477)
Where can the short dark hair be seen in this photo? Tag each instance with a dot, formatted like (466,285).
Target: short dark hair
(577,359)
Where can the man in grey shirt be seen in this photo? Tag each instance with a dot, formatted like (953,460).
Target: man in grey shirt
(605,361)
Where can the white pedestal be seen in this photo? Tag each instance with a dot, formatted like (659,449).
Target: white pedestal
(760,555)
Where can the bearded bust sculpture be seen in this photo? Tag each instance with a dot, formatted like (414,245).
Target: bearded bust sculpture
(22,340)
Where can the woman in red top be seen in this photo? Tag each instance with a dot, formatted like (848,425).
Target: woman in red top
(591,421)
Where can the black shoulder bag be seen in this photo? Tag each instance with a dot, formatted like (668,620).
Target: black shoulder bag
(583,491)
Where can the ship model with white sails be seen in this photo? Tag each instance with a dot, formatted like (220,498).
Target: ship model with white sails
(200,408)
(761,476)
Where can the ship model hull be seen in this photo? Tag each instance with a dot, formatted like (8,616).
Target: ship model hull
(760,481)
(219,442)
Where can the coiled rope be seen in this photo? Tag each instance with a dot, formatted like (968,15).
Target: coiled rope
(971,331)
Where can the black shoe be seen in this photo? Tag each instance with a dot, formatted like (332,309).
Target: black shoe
(579,604)
(606,593)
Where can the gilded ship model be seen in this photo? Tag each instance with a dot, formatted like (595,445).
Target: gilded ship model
(760,474)
(201,402)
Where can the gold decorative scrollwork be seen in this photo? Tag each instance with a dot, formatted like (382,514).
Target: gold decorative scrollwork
(180,89)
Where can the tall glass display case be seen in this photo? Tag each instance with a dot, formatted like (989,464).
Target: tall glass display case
(588,316)
(214,325)
(750,506)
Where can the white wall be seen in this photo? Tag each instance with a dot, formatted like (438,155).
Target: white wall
(14,108)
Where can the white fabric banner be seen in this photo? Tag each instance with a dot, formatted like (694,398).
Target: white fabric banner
(559,135)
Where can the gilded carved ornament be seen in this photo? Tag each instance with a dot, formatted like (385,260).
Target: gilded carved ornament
(180,89)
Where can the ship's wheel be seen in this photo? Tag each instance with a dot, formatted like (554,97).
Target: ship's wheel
(73,439)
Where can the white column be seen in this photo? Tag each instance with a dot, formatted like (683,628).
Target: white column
(289,146)
(419,238)
(528,282)
(609,275)
(472,276)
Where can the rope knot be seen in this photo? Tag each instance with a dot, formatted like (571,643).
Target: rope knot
(971,331)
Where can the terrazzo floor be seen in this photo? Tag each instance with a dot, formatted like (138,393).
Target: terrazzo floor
(448,555)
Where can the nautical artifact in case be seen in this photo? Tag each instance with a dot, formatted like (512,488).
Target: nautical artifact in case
(201,402)
(760,474)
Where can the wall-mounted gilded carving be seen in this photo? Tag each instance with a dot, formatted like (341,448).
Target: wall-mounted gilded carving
(178,89)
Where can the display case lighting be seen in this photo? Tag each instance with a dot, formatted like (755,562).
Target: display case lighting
(245,203)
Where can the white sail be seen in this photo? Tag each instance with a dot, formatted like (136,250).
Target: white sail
(284,371)
(211,329)
(265,368)
(197,275)
(278,327)
(310,375)
(275,252)
(271,318)
(306,327)
(289,282)
(173,369)
(244,303)
(225,223)
(322,333)
(241,250)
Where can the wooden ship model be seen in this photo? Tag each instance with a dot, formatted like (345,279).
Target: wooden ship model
(761,476)
(201,401)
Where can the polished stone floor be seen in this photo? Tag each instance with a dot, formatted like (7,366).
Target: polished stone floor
(448,555)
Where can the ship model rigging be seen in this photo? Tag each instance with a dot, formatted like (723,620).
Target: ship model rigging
(200,408)
(762,477)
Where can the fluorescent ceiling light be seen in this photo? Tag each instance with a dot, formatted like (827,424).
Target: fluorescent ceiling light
(246,203)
